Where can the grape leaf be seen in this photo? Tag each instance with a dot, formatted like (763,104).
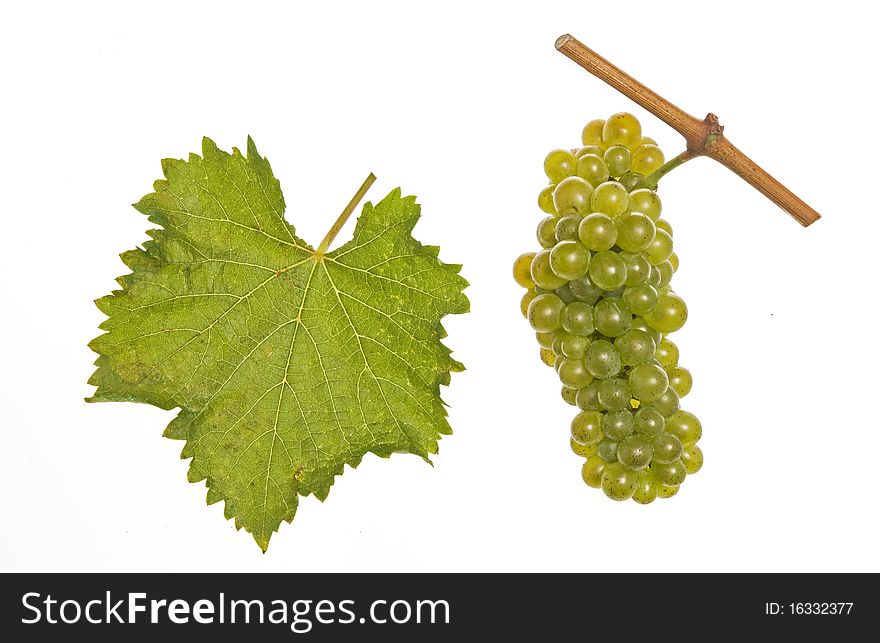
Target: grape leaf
(286,363)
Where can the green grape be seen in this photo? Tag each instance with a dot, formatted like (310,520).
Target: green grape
(666,491)
(545,340)
(647,140)
(681,380)
(546,232)
(602,360)
(667,353)
(522,270)
(622,129)
(556,346)
(673,261)
(577,318)
(545,200)
(660,248)
(618,160)
(692,459)
(640,299)
(548,357)
(593,470)
(583,450)
(668,473)
(663,224)
(569,259)
(607,270)
(686,426)
(618,482)
(559,164)
(654,277)
(647,158)
(667,448)
(588,397)
(586,427)
(607,450)
(635,232)
(545,313)
(614,394)
(572,195)
(597,232)
(634,347)
(610,198)
(648,382)
(565,294)
(567,227)
(525,301)
(592,133)
(573,373)
(648,421)
(666,272)
(645,201)
(595,150)
(592,168)
(585,290)
(668,403)
(637,268)
(611,317)
(569,395)
(640,324)
(572,346)
(669,314)
(617,424)
(630,180)
(542,272)
(635,452)
(646,490)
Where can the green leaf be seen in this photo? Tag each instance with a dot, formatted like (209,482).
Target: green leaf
(286,364)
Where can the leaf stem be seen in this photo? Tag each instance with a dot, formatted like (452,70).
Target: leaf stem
(337,225)
(704,138)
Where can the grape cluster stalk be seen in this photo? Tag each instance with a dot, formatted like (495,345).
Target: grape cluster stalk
(599,298)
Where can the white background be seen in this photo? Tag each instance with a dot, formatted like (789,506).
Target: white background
(457,103)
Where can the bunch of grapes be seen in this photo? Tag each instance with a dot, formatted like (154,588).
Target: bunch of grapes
(599,299)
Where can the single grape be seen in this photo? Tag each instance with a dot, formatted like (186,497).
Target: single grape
(647,158)
(618,482)
(586,427)
(592,168)
(639,323)
(542,272)
(572,195)
(546,339)
(617,424)
(569,259)
(588,397)
(583,450)
(607,270)
(647,140)
(522,270)
(607,450)
(668,403)
(546,232)
(663,224)
(548,357)
(669,473)
(646,490)
(667,353)
(660,248)
(667,448)
(593,470)
(611,198)
(637,268)
(654,277)
(666,272)
(572,346)
(567,227)
(565,294)
(648,382)
(595,150)
(577,318)
(635,231)
(545,200)
(525,301)
(645,201)
(618,160)
(573,373)
(634,347)
(622,129)
(648,421)
(614,394)
(585,290)
(685,426)
(692,458)
(601,360)
(630,180)
(611,317)
(597,231)
(592,133)
(669,314)
(635,452)
(640,299)
(559,164)
(666,491)
(545,313)
(681,380)
(569,395)
(673,261)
